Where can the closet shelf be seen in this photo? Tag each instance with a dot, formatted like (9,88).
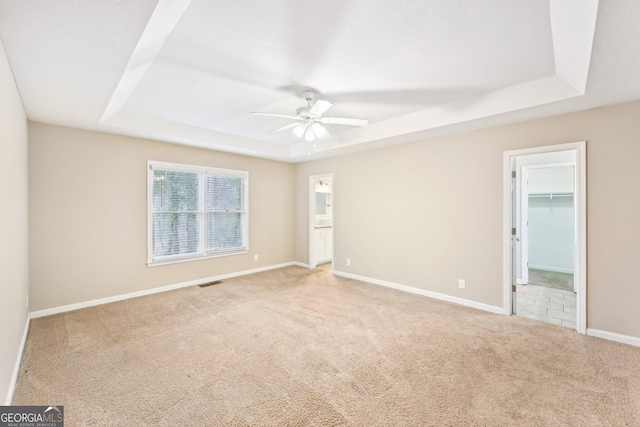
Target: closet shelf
(551,195)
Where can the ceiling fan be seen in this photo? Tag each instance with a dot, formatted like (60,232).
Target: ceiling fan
(309,121)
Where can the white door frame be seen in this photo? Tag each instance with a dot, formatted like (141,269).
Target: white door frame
(312,214)
(524,214)
(580,200)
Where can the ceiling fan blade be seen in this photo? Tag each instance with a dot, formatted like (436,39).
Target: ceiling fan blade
(320,131)
(320,107)
(277,115)
(343,121)
(285,127)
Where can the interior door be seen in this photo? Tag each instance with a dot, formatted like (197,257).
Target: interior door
(514,238)
(523,233)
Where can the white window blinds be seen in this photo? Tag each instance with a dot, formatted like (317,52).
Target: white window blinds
(196,212)
(225,213)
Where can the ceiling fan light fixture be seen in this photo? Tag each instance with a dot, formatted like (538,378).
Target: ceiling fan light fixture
(299,130)
(319,130)
(308,134)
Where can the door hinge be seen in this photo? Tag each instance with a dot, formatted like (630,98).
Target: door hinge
(513,231)
(513,174)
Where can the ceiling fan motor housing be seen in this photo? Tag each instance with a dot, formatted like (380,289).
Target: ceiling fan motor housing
(303,111)
(308,95)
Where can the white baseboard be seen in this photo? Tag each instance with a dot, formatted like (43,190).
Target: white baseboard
(435,295)
(100,301)
(554,269)
(301,264)
(611,336)
(16,368)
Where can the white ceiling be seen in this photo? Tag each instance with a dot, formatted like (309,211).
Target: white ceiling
(191,71)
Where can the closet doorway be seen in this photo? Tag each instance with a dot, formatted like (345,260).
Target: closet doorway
(321,220)
(548,225)
(546,289)
(545,234)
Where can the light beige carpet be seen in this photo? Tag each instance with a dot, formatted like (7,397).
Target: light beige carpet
(293,347)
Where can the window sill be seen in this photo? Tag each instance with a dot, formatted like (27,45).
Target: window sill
(197,258)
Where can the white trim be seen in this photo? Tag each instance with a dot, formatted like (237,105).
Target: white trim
(301,264)
(612,336)
(100,301)
(192,258)
(203,170)
(16,368)
(520,282)
(434,295)
(580,263)
(555,269)
(580,197)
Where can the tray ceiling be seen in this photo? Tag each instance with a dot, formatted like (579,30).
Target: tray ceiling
(191,71)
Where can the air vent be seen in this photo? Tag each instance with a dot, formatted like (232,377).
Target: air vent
(204,285)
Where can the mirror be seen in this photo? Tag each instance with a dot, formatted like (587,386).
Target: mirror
(321,203)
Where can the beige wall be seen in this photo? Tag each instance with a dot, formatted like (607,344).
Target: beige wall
(422,215)
(430,213)
(88,216)
(14,255)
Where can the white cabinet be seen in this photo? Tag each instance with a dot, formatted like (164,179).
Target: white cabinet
(323,244)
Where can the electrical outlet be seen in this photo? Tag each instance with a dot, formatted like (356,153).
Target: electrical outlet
(348,262)
(255,257)
(462,284)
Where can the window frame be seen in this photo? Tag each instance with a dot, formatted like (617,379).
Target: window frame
(203,172)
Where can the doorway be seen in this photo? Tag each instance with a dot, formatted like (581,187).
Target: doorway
(545,234)
(321,220)
(547,225)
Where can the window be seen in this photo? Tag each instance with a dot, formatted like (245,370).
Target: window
(195,212)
